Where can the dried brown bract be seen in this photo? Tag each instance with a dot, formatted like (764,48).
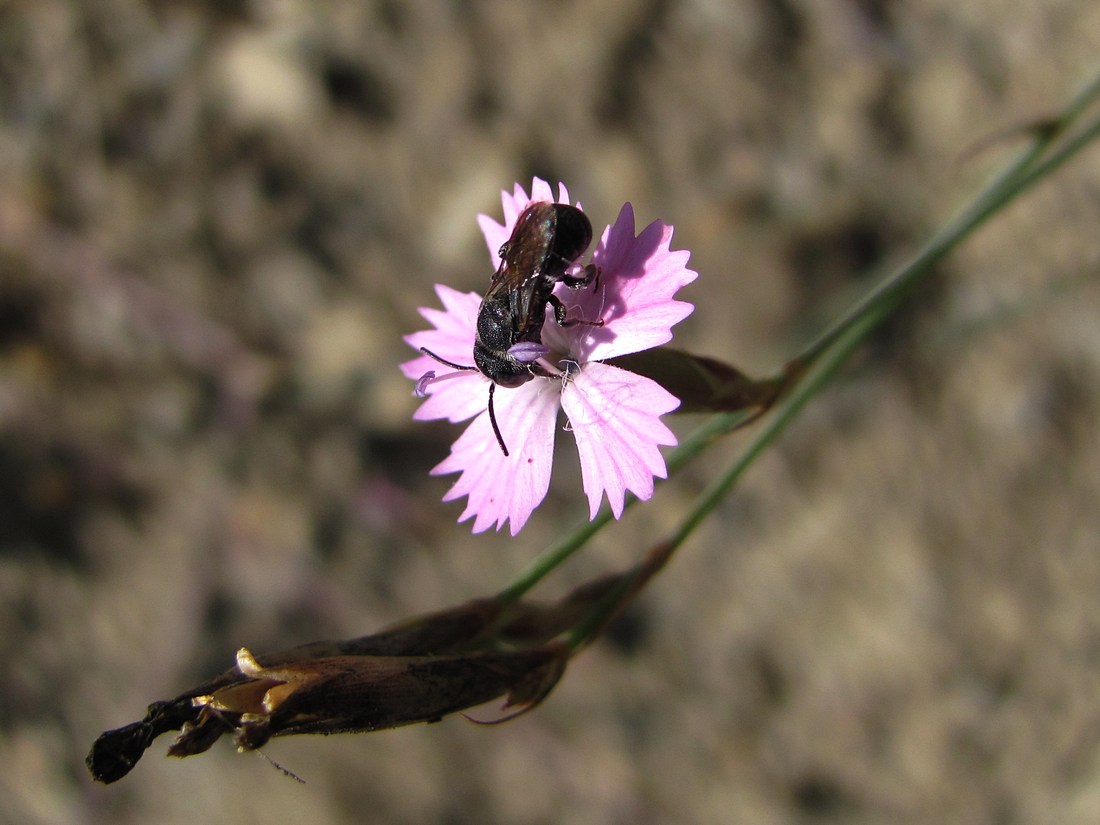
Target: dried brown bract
(351,694)
(417,671)
(294,693)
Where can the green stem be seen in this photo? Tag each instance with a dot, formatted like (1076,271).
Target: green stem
(781,415)
(699,440)
(597,619)
(556,554)
(811,370)
(1070,148)
(1018,176)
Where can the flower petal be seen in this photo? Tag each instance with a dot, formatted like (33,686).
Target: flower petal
(453,336)
(639,276)
(615,417)
(503,488)
(495,236)
(456,399)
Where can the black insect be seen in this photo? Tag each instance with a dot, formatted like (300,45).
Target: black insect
(546,240)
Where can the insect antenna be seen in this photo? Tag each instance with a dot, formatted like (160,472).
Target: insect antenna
(493,421)
(431,354)
(492,387)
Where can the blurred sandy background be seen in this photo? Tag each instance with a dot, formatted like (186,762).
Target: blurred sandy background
(217,220)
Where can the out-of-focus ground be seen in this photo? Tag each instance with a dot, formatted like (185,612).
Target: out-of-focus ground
(217,220)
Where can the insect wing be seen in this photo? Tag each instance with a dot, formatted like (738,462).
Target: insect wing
(521,264)
(571,237)
(523,255)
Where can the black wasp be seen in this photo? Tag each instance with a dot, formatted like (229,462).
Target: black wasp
(546,240)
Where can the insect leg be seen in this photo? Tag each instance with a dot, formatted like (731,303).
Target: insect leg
(590,275)
(560,313)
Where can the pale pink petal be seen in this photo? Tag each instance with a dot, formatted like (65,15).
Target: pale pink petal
(456,399)
(453,336)
(639,277)
(542,191)
(503,488)
(457,353)
(495,236)
(459,304)
(497,233)
(615,417)
(513,204)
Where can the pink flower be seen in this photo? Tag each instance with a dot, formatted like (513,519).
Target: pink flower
(614,415)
